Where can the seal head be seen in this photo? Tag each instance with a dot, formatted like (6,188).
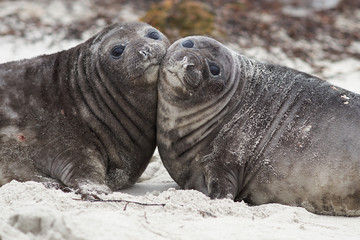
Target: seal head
(198,68)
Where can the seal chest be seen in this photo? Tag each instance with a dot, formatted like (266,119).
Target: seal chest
(234,127)
(84,117)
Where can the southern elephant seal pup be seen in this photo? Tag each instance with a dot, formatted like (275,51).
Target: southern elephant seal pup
(234,127)
(86,116)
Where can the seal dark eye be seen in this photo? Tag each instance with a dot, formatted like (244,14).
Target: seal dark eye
(154,35)
(117,51)
(187,43)
(214,69)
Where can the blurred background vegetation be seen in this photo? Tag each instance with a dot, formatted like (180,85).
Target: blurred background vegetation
(261,23)
(178,18)
(332,25)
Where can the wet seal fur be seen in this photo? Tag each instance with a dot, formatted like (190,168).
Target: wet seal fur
(86,116)
(233,127)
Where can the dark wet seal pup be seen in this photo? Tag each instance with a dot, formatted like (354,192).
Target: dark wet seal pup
(233,127)
(86,116)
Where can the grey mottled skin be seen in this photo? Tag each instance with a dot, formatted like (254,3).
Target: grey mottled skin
(81,116)
(257,132)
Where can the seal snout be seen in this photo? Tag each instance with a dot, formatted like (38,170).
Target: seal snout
(188,61)
(147,53)
(185,63)
(191,74)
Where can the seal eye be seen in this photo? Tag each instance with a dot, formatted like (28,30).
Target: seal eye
(117,51)
(188,43)
(214,69)
(154,35)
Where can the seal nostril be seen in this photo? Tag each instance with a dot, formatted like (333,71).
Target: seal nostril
(146,52)
(188,43)
(143,53)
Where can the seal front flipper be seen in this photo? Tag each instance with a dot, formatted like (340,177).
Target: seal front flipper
(223,180)
(81,168)
(216,178)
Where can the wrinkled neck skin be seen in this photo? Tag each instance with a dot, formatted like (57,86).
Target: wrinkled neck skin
(224,137)
(123,123)
(185,132)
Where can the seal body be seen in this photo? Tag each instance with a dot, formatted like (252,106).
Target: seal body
(86,116)
(234,127)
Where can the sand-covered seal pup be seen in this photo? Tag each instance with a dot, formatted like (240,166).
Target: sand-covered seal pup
(85,116)
(234,127)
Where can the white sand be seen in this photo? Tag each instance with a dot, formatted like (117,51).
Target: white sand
(30,211)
